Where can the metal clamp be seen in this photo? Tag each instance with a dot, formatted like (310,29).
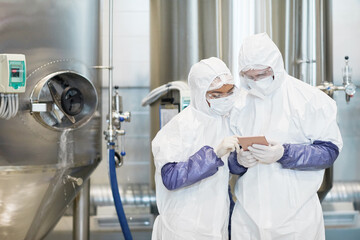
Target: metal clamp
(121,117)
(41,107)
(119,160)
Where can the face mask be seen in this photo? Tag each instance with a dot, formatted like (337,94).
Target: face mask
(260,85)
(222,106)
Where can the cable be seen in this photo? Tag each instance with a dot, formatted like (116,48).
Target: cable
(17,103)
(9,105)
(2,105)
(9,112)
(13,104)
(6,111)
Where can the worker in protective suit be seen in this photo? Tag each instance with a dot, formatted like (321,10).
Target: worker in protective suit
(190,155)
(277,197)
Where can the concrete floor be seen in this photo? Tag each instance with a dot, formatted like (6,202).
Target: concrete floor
(63,231)
(66,235)
(331,234)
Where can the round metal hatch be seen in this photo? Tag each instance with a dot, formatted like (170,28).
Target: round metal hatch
(66,99)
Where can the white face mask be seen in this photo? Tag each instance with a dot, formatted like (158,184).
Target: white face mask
(222,106)
(260,85)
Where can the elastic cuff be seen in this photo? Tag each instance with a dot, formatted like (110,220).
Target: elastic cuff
(285,155)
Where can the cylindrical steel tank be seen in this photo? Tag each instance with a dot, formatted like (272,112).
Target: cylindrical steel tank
(302,30)
(44,155)
(182,32)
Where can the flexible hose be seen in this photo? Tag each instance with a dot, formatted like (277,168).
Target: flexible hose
(116,195)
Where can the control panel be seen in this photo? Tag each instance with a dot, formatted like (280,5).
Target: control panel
(12,73)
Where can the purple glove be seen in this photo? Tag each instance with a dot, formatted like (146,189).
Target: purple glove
(316,156)
(234,166)
(204,163)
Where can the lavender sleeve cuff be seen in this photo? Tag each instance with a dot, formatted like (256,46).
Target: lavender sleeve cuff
(316,156)
(204,163)
(234,166)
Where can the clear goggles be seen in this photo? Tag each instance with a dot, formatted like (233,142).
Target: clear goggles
(221,80)
(214,90)
(256,72)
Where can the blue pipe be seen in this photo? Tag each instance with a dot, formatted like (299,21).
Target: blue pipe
(116,195)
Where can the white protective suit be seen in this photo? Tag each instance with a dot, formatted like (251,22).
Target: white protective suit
(199,211)
(274,203)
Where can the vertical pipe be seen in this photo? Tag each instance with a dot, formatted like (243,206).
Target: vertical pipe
(328,9)
(227,34)
(219,27)
(320,42)
(81,213)
(110,128)
(269,18)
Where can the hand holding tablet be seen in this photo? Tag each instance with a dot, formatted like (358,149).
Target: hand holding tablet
(245,142)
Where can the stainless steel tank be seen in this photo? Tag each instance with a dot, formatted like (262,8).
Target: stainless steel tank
(46,154)
(182,32)
(302,30)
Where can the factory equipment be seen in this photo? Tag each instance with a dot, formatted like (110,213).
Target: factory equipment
(13,73)
(63,100)
(174,97)
(117,139)
(52,144)
(347,86)
(114,118)
(350,88)
(12,82)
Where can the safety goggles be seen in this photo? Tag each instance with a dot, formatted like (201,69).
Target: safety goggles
(256,73)
(221,80)
(221,93)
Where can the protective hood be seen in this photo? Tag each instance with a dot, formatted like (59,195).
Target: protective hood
(200,77)
(259,49)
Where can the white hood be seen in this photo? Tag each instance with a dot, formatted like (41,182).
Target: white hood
(259,49)
(200,77)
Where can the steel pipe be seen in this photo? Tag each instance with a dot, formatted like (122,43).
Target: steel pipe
(81,225)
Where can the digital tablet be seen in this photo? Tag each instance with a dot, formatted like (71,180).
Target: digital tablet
(245,142)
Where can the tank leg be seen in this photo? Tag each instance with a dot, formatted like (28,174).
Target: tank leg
(81,213)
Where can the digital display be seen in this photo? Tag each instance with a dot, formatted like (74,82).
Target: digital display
(15,72)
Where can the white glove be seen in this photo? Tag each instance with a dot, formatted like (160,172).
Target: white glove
(246,158)
(267,154)
(227,145)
